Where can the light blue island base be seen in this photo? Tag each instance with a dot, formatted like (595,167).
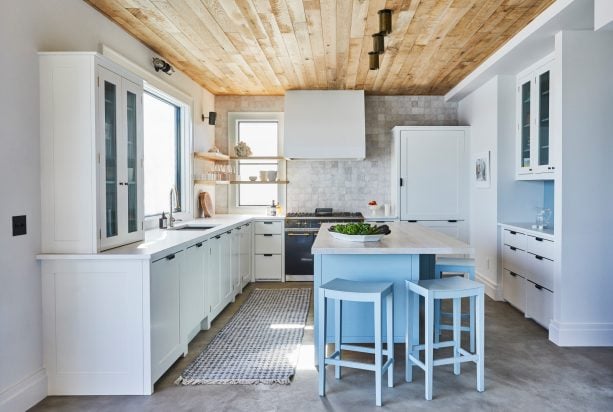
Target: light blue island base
(358,318)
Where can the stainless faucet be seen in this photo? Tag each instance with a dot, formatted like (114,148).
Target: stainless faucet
(173,195)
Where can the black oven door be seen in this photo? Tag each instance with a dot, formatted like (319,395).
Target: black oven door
(298,257)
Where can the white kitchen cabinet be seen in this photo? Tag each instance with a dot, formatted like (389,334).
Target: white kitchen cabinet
(193,296)
(91,153)
(213,279)
(268,247)
(429,177)
(246,252)
(235,260)
(226,266)
(534,157)
(527,258)
(166,341)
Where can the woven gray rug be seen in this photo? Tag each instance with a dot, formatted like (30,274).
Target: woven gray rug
(259,344)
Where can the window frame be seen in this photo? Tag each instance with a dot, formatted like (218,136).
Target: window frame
(233,193)
(184,145)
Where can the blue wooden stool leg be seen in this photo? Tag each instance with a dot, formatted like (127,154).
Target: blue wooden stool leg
(428,335)
(338,330)
(378,352)
(408,348)
(321,343)
(390,338)
(437,310)
(471,276)
(480,330)
(457,334)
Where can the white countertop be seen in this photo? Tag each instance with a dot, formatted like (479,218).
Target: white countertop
(527,228)
(405,239)
(160,242)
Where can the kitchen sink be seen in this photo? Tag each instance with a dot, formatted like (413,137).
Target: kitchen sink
(194,227)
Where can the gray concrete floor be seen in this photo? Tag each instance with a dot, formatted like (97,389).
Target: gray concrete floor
(523,371)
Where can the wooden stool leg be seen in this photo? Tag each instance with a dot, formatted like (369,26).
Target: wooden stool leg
(390,338)
(472,324)
(378,352)
(321,343)
(480,331)
(338,330)
(457,334)
(437,311)
(428,335)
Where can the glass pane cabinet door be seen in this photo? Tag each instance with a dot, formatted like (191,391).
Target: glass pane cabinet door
(132,152)
(543,120)
(110,160)
(525,125)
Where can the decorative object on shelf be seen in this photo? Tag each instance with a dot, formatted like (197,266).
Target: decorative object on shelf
(206,204)
(359,232)
(212,116)
(482,170)
(212,156)
(253,178)
(163,65)
(242,150)
(543,218)
(271,175)
(264,175)
(385,21)
(378,39)
(214,149)
(373,206)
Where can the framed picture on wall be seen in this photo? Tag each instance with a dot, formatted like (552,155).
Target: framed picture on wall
(482,169)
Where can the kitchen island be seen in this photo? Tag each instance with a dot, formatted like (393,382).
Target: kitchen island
(408,253)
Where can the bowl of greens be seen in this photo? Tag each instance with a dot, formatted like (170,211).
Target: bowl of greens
(359,232)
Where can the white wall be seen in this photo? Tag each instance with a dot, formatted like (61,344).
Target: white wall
(25,28)
(603,14)
(584,193)
(490,111)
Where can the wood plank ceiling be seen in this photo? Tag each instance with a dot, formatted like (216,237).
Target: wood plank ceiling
(265,47)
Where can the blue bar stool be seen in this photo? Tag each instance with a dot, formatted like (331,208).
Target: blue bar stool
(432,290)
(466,267)
(347,290)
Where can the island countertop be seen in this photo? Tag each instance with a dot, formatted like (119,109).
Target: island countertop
(406,239)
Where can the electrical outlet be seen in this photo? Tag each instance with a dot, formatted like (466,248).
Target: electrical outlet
(19,225)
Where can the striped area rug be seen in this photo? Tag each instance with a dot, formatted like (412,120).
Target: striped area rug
(260,344)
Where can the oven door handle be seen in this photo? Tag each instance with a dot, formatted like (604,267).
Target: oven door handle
(297,234)
(306,259)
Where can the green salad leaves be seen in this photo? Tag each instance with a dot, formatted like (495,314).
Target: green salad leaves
(360,229)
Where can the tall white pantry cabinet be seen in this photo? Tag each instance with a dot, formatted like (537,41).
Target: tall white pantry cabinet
(91,153)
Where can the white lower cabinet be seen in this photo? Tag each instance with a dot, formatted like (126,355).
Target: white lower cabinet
(268,267)
(268,250)
(193,297)
(166,341)
(226,266)
(245,254)
(528,273)
(235,261)
(213,279)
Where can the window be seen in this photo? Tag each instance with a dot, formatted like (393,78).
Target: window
(261,132)
(163,143)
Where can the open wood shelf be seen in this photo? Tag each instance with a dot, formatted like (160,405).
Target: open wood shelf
(238,182)
(258,158)
(215,157)
(211,182)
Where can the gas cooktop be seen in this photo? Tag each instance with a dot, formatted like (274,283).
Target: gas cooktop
(324,213)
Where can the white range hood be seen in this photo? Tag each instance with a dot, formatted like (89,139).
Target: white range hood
(324,124)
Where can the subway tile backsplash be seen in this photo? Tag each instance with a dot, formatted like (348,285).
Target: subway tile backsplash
(344,184)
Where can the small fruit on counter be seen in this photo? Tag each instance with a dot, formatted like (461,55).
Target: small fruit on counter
(372,203)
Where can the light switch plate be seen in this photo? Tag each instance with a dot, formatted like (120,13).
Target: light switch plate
(19,225)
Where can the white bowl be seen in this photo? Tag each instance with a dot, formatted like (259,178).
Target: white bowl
(253,178)
(356,238)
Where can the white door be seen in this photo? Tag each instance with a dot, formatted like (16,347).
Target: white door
(433,169)
(525,124)
(542,130)
(166,342)
(245,254)
(226,268)
(235,259)
(192,289)
(214,276)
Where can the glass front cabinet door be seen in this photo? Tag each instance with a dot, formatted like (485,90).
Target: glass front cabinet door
(534,156)
(120,152)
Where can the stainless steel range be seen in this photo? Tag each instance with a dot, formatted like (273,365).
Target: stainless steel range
(300,231)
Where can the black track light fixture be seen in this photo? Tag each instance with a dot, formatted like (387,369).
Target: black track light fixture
(378,43)
(385,21)
(373,60)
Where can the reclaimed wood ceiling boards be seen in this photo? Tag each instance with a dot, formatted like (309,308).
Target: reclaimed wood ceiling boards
(265,47)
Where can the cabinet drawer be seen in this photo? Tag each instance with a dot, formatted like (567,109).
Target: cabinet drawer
(540,246)
(267,227)
(513,238)
(539,304)
(268,244)
(268,267)
(514,289)
(539,270)
(514,259)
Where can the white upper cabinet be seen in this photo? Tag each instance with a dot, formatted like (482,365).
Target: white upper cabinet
(534,139)
(91,153)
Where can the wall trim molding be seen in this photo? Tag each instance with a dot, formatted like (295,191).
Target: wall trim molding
(493,290)
(25,393)
(581,334)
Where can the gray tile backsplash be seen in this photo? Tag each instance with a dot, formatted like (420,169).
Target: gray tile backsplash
(347,184)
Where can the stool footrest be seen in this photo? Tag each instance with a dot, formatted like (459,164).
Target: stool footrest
(417,362)
(450,314)
(363,349)
(333,360)
(450,327)
(437,345)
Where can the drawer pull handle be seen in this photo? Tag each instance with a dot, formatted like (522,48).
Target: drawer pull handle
(247,224)
(268,254)
(512,232)
(218,237)
(199,244)
(267,223)
(539,287)
(538,239)
(412,221)
(229,232)
(268,235)
(170,257)
(513,248)
(452,221)
(538,257)
(239,228)
(513,274)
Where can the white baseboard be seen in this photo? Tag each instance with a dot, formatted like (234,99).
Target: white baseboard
(24,394)
(581,334)
(491,289)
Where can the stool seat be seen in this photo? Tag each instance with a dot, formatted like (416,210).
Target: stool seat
(352,289)
(454,286)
